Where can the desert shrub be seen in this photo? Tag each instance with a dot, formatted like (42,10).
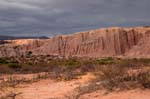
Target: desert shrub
(111,74)
(32,68)
(144,79)
(134,62)
(89,68)
(63,73)
(70,63)
(29,63)
(81,90)
(14,61)
(3,61)
(68,75)
(127,63)
(14,65)
(42,76)
(10,82)
(114,77)
(144,60)
(105,61)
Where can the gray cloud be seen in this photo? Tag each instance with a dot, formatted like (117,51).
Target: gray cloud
(51,17)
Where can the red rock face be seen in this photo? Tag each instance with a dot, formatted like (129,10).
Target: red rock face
(106,42)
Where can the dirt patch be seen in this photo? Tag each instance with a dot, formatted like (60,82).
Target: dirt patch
(51,89)
(132,94)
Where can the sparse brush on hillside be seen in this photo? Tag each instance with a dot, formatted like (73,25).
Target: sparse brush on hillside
(111,73)
(119,77)
(45,63)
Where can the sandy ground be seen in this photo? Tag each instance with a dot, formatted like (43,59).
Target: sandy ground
(50,89)
(131,94)
(46,89)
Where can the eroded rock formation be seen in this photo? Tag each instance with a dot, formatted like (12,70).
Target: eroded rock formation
(105,42)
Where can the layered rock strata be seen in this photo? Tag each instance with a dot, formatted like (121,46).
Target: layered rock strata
(105,42)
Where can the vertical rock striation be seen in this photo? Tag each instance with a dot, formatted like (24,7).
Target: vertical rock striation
(105,42)
(95,43)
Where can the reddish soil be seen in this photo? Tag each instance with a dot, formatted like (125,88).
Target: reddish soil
(50,89)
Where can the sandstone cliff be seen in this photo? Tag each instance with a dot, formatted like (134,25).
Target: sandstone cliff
(19,47)
(105,42)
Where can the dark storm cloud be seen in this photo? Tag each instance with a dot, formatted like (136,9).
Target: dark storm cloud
(51,17)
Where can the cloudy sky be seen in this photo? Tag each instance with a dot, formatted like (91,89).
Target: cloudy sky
(52,17)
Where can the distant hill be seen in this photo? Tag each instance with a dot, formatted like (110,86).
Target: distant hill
(3,37)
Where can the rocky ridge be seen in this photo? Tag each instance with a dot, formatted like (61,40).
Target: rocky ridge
(104,42)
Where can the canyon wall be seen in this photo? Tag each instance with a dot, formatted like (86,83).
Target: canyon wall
(105,42)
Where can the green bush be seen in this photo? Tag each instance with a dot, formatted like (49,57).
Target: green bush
(106,61)
(3,61)
(70,63)
(14,65)
(29,63)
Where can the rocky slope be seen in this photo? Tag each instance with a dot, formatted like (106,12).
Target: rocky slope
(105,42)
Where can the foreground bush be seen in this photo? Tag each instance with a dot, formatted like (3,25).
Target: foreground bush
(114,77)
